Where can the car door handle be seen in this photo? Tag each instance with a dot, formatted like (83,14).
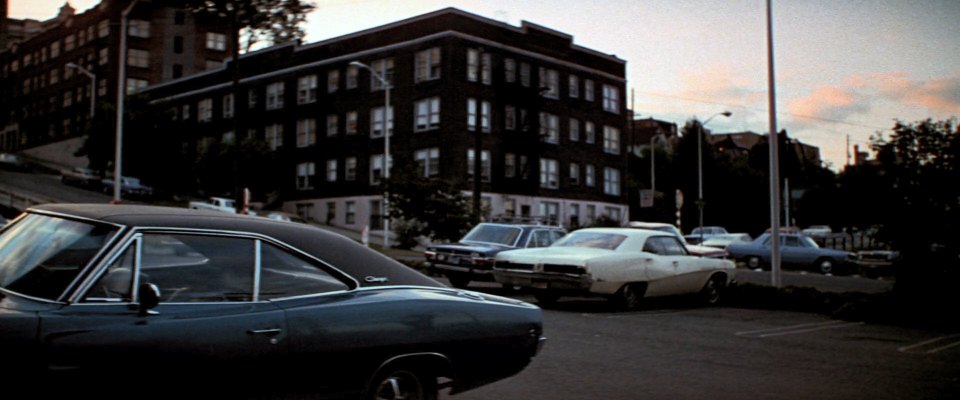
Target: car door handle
(269,332)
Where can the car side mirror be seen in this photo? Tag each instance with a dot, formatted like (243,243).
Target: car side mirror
(149,295)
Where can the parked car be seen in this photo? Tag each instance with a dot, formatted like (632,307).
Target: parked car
(79,176)
(816,231)
(220,204)
(796,251)
(877,263)
(283,216)
(623,264)
(471,259)
(698,235)
(167,294)
(12,162)
(722,241)
(697,250)
(129,186)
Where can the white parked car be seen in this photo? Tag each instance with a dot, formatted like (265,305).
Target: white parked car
(818,231)
(694,249)
(623,264)
(722,241)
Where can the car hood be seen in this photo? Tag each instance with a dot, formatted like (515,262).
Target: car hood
(554,255)
(705,251)
(469,248)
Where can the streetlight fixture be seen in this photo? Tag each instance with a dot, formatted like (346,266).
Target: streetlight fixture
(93,85)
(386,146)
(700,203)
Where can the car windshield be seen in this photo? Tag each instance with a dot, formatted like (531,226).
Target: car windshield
(597,240)
(495,234)
(41,255)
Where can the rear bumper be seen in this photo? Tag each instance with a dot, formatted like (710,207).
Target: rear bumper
(543,281)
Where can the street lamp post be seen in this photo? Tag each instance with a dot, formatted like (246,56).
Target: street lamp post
(700,203)
(121,92)
(93,85)
(386,146)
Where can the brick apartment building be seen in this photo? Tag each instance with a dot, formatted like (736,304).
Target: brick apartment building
(551,116)
(44,97)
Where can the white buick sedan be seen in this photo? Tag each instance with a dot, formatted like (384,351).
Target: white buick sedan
(623,264)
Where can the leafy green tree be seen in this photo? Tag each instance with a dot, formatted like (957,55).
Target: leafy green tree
(255,21)
(429,207)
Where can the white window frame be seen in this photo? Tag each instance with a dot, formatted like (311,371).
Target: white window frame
(611,181)
(549,173)
(384,67)
(484,164)
(550,128)
(588,90)
(332,170)
(376,168)
(306,132)
(227,106)
(138,58)
(138,28)
(350,169)
(376,122)
(611,99)
(307,89)
(590,132)
(428,162)
(352,123)
(333,124)
(205,110)
(275,96)
(305,173)
(574,171)
(273,134)
(509,70)
(427,66)
(509,165)
(510,117)
(550,79)
(589,175)
(216,41)
(573,86)
(333,80)
(427,112)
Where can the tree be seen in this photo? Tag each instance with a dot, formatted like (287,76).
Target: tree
(255,21)
(427,206)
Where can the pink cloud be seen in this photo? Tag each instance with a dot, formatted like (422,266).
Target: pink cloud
(828,102)
(939,95)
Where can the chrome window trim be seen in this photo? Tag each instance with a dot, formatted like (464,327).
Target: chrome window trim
(256,270)
(136,233)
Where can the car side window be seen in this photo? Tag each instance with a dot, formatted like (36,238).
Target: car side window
(654,245)
(541,238)
(673,247)
(116,285)
(792,241)
(199,268)
(286,275)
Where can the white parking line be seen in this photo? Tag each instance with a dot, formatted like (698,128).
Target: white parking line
(795,329)
(910,348)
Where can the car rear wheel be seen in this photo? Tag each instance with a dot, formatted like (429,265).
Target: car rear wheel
(754,262)
(402,383)
(630,296)
(711,290)
(825,265)
(458,281)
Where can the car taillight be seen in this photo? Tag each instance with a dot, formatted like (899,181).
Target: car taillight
(429,254)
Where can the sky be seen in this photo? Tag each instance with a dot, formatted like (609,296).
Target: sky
(845,70)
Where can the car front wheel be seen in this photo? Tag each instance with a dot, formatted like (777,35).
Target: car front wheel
(825,265)
(630,296)
(402,383)
(711,290)
(754,262)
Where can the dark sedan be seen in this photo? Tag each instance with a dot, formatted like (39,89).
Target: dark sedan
(157,298)
(796,251)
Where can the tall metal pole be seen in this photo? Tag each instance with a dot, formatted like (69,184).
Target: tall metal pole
(653,165)
(700,202)
(774,159)
(121,92)
(386,148)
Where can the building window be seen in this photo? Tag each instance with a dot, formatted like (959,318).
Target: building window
(574,215)
(333,122)
(574,130)
(138,58)
(550,80)
(228,138)
(205,110)
(54,76)
(574,174)
(103,56)
(550,211)
(509,165)
(228,106)
(549,174)
(216,41)
(486,68)
(351,213)
(333,80)
(306,132)
(275,96)
(509,70)
(590,132)
(69,43)
(427,114)
(305,172)
(376,168)
(103,28)
(591,212)
(611,140)
(478,66)
(351,123)
(353,76)
(428,162)
(251,99)
(510,118)
(525,74)
(332,170)
(484,164)
(573,84)
(384,68)
(588,90)
(550,128)
(611,181)
(185,115)
(589,175)
(134,85)
(350,169)
(274,136)
(55,49)
(68,98)
(427,65)
(138,28)
(376,122)
(611,99)
(307,89)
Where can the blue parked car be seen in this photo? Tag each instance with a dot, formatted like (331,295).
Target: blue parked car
(796,251)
